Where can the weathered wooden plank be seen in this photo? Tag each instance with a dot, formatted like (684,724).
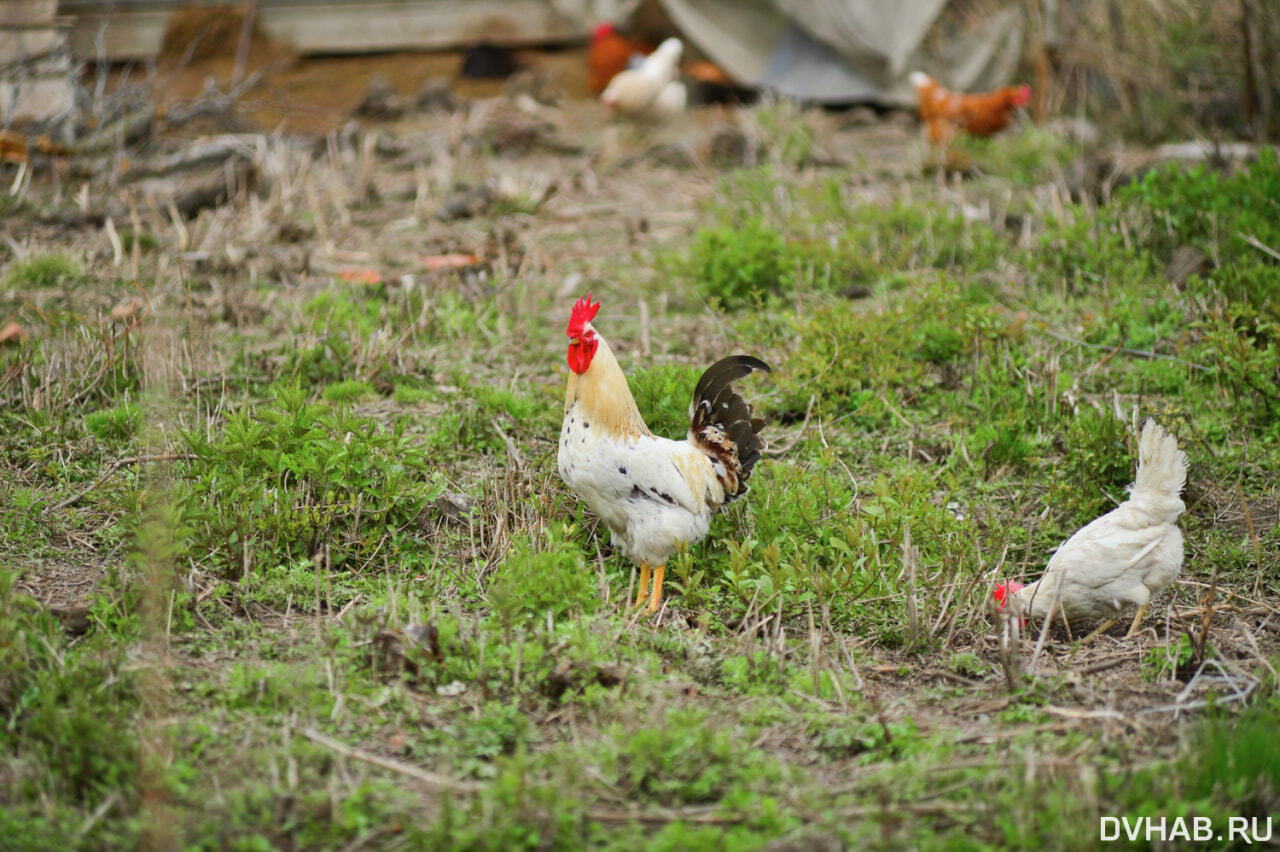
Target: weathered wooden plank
(130,33)
(35,66)
(27,11)
(341,26)
(18,43)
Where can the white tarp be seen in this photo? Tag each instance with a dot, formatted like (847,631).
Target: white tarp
(840,50)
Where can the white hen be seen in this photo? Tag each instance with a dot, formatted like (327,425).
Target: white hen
(650,92)
(1122,558)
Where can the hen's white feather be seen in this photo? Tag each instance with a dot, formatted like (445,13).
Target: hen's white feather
(650,91)
(1124,557)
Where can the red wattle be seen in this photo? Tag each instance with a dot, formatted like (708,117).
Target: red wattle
(581,351)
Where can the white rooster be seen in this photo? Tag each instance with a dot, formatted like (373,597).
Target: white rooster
(653,493)
(650,92)
(1122,558)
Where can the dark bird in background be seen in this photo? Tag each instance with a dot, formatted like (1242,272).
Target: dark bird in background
(486,61)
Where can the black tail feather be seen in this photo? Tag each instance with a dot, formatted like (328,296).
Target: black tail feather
(719,413)
(725,371)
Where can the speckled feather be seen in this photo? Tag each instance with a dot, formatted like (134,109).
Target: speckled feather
(655,493)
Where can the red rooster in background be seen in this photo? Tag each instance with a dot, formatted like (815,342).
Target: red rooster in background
(609,54)
(653,493)
(944,112)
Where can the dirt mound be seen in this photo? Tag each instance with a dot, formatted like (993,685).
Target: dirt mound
(199,33)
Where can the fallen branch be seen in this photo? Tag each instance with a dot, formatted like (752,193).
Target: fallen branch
(1243,687)
(1104,666)
(1183,581)
(213,102)
(408,770)
(120,133)
(706,817)
(699,815)
(1259,245)
(1139,353)
(206,152)
(443,782)
(116,465)
(1076,713)
(512,449)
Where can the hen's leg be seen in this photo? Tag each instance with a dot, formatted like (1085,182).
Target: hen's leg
(655,600)
(644,583)
(1137,620)
(1102,628)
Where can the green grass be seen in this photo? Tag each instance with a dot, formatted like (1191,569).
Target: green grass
(771,240)
(1025,156)
(293,477)
(335,553)
(45,271)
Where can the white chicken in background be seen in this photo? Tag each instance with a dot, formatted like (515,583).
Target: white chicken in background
(653,493)
(1122,558)
(650,92)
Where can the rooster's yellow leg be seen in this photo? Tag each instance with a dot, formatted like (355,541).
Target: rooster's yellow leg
(655,600)
(1137,620)
(644,583)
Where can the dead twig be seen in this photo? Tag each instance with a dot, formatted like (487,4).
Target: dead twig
(408,770)
(1243,687)
(1010,659)
(911,559)
(1137,353)
(246,38)
(116,465)
(1076,713)
(696,815)
(1259,245)
(772,451)
(706,817)
(952,676)
(1230,594)
(512,449)
(1104,666)
(1044,628)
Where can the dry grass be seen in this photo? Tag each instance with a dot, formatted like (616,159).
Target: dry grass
(827,664)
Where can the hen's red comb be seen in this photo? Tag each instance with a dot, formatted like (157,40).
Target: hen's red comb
(1002,592)
(603,30)
(1022,96)
(583,313)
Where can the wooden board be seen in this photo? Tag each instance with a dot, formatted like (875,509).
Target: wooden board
(35,65)
(28,11)
(134,31)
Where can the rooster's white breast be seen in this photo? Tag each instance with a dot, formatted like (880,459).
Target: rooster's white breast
(652,492)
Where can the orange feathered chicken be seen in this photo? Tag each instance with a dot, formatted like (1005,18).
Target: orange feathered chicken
(609,54)
(944,112)
(13,147)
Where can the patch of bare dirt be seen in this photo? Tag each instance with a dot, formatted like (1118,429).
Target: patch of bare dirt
(66,589)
